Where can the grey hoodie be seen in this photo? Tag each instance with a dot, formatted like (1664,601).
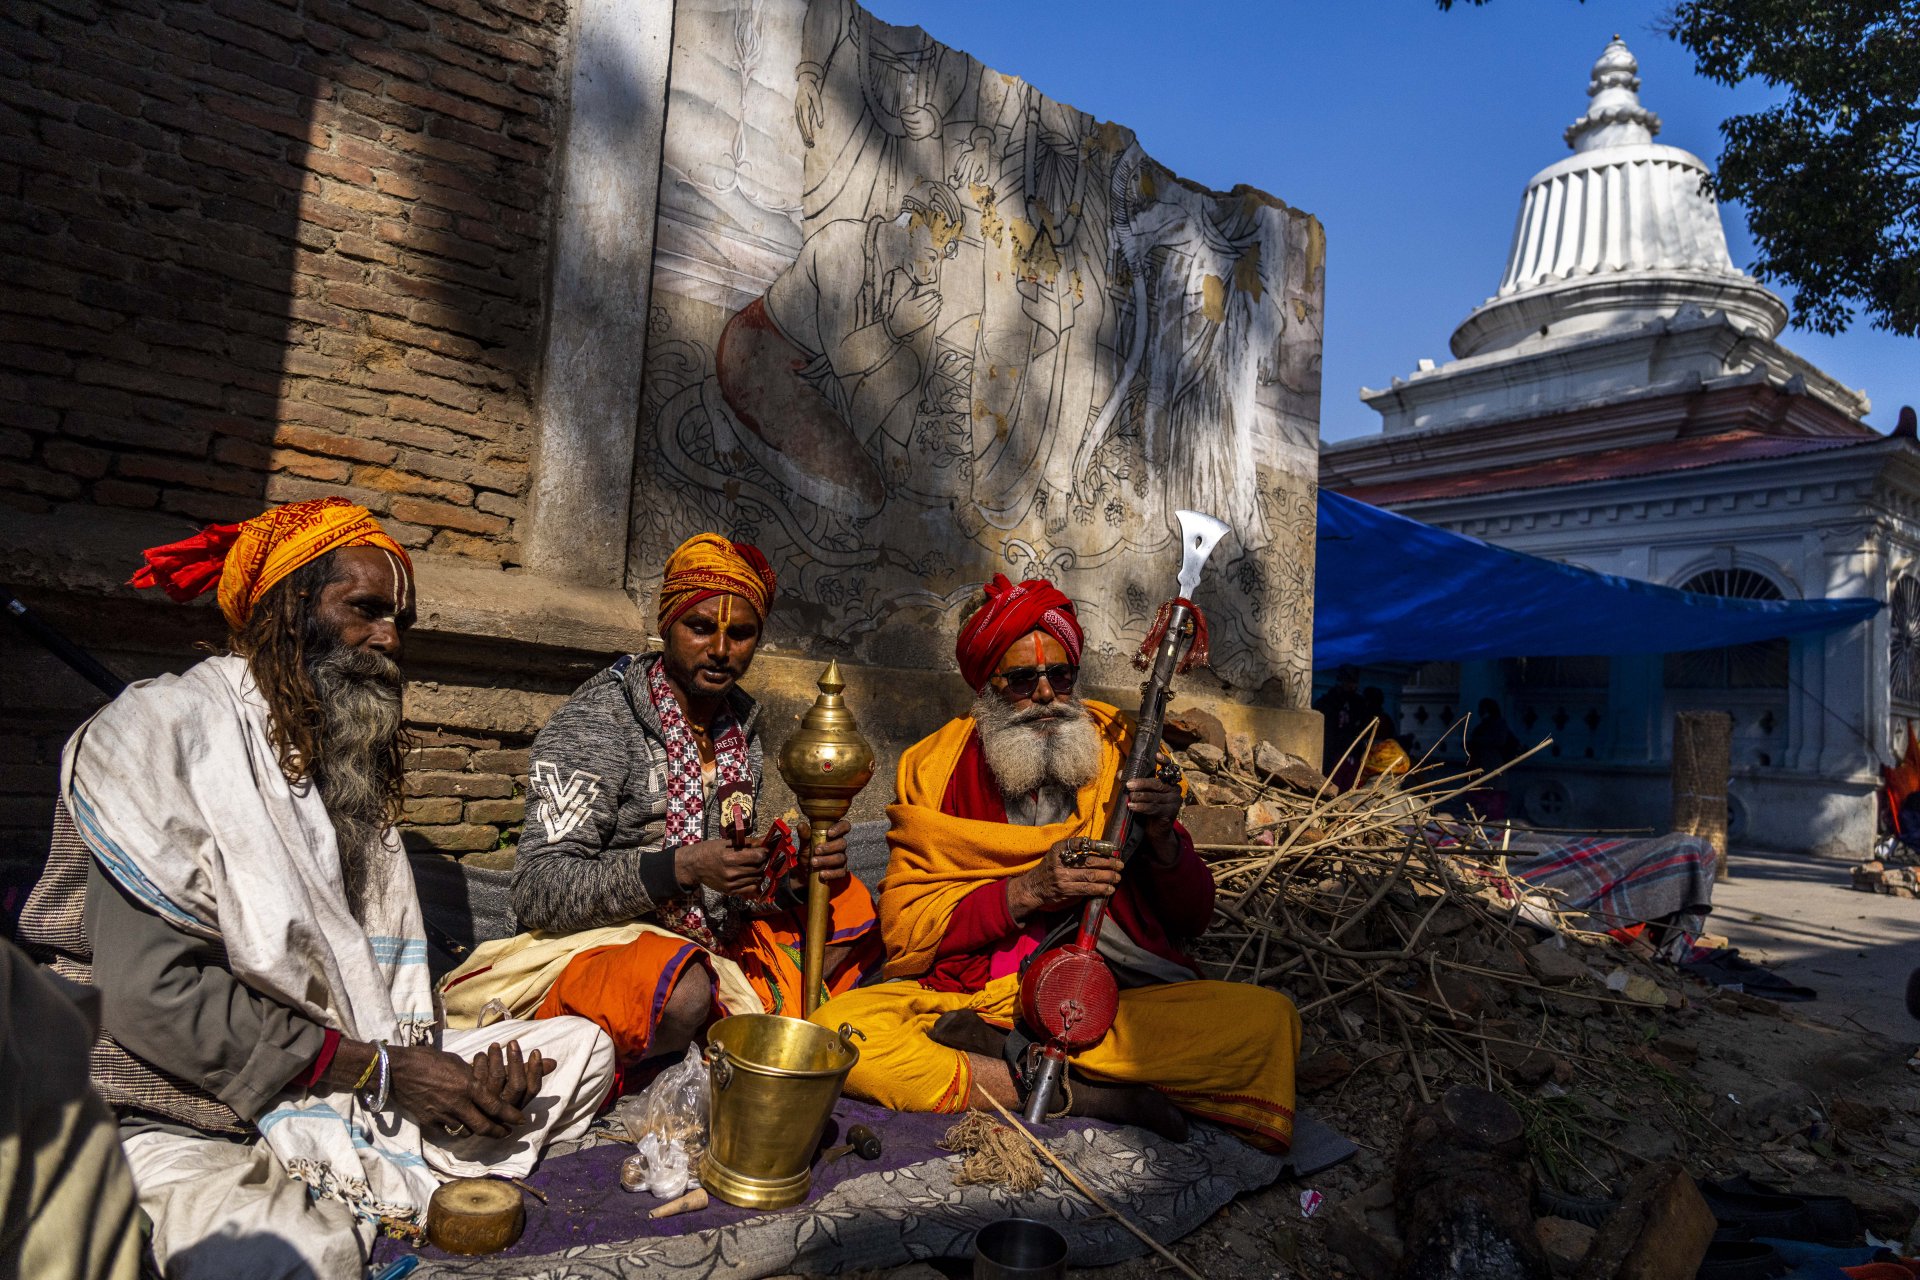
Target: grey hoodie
(591,852)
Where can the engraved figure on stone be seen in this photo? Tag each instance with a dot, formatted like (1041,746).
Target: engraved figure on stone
(1036,176)
(872,102)
(825,372)
(1005,338)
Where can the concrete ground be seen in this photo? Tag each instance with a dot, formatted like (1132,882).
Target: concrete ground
(1799,917)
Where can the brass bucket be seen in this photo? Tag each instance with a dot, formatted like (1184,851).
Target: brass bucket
(774,1082)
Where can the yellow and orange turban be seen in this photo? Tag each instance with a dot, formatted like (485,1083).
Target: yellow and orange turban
(707,565)
(246,559)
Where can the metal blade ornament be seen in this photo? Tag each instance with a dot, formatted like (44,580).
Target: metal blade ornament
(1069,995)
(825,764)
(1199,534)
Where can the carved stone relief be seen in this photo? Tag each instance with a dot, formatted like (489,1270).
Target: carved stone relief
(914,323)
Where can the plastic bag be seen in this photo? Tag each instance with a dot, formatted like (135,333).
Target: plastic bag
(664,1168)
(668,1122)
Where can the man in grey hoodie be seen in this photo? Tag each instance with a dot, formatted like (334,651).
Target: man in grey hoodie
(631,789)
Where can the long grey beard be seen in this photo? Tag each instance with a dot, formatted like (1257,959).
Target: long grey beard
(1044,745)
(360,700)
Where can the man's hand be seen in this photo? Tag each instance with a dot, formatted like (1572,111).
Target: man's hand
(1069,872)
(513,1076)
(1156,802)
(831,859)
(440,1091)
(721,867)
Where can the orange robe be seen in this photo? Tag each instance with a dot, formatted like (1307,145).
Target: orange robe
(1219,1050)
(624,987)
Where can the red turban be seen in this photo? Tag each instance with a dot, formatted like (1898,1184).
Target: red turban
(708,565)
(1011,612)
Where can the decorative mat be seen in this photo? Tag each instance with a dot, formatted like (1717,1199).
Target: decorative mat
(900,1208)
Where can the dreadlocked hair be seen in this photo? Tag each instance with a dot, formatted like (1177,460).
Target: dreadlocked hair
(275,641)
(280,638)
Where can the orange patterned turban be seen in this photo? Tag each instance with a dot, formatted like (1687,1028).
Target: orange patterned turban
(708,565)
(246,559)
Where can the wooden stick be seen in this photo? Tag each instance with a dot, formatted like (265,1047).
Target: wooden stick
(1413,1058)
(692,1202)
(535,1192)
(1098,1202)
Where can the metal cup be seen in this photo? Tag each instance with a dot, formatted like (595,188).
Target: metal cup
(1019,1249)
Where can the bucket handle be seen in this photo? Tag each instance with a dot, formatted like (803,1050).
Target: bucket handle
(847,1032)
(720,1066)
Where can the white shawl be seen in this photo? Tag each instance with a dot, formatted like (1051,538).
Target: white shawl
(176,789)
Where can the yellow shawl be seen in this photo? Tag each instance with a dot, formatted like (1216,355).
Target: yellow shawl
(938,860)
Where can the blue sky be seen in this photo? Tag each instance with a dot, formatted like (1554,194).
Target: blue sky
(1411,133)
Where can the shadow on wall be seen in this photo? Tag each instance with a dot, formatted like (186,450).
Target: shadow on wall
(254,253)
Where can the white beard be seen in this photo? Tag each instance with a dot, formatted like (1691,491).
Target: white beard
(1042,746)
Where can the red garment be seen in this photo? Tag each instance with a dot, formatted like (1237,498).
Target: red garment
(1009,613)
(1903,779)
(317,1069)
(1154,906)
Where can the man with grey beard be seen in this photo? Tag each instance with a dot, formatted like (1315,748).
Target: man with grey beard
(995,854)
(1040,754)
(226,874)
(355,770)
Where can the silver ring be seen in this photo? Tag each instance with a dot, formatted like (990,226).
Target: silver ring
(1074,858)
(457,1129)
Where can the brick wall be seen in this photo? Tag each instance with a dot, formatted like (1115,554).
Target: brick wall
(466,793)
(260,251)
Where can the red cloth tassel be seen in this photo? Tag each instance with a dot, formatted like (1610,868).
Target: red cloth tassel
(189,567)
(1197,656)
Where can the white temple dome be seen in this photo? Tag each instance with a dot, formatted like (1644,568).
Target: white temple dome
(1620,232)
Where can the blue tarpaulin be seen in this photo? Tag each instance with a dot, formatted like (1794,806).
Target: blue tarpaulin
(1390,589)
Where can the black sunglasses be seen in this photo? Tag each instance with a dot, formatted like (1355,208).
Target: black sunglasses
(1022,681)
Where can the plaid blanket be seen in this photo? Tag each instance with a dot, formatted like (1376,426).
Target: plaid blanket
(1620,880)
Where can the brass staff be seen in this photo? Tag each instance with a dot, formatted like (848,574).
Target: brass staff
(825,763)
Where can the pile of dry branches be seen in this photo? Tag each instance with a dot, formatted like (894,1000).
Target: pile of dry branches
(1411,950)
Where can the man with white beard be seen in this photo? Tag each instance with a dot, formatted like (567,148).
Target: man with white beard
(226,873)
(991,865)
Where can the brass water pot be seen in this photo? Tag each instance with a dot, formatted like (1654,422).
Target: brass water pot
(774,1083)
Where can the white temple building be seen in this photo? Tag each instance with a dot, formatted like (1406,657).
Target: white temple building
(1622,403)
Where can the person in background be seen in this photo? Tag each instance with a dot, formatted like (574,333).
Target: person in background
(1491,744)
(1342,717)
